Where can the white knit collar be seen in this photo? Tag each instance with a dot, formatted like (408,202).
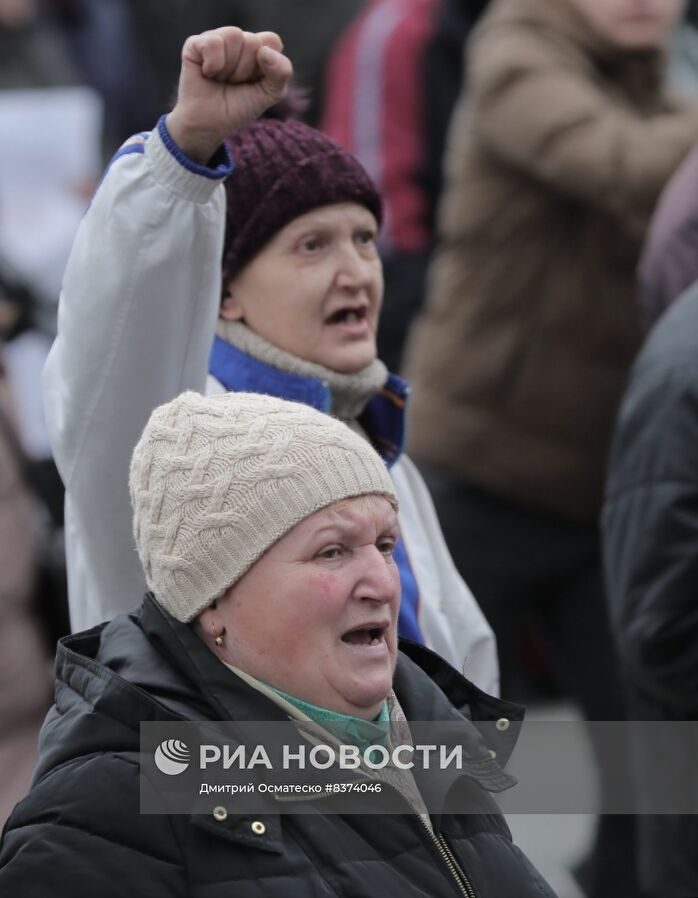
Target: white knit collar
(350,392)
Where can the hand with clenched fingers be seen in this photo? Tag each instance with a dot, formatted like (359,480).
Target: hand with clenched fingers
(228,78)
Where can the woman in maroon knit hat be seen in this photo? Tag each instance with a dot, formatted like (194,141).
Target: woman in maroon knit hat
(294,315)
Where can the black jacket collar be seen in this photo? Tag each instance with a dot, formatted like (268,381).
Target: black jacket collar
(147,666)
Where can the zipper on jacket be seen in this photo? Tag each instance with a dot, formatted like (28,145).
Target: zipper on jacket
(464,885)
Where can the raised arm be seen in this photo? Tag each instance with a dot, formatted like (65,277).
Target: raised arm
(228,79)
(140,301)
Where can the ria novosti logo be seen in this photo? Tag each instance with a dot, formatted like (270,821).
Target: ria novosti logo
(172,757)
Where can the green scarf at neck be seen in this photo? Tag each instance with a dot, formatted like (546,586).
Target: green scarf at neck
(349,730)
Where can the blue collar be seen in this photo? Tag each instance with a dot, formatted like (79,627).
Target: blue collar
(383,419)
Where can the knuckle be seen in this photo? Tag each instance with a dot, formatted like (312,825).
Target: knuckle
(229,32)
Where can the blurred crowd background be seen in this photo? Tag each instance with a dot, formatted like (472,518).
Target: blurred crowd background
(382,77)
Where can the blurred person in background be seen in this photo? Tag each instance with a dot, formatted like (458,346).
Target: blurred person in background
(392,83)
(41,196)
(25,665)
(32,53)
(292,311)
(557,155)
(444,78)
(683,53)
(669,262)
(650,525)
(49,155)
(651,555)
(310,29)
(23,431)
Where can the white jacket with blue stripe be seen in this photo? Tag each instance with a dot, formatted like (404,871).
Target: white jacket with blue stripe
(136,321)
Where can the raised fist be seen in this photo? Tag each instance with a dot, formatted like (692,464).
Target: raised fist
(228,78)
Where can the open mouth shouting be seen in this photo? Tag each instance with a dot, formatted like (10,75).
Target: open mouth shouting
(350,319)
(369,637)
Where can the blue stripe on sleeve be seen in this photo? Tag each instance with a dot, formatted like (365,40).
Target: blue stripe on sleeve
(135,144)
(125,151)
(221,162)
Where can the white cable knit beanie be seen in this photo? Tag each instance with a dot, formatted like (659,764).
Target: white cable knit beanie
(216,480)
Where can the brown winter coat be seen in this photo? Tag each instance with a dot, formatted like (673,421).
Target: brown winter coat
(556,161)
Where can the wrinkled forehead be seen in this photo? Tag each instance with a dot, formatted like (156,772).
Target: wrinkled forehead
(350,516)
(374,505)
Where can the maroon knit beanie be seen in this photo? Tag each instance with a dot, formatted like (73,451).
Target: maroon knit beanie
(283,169)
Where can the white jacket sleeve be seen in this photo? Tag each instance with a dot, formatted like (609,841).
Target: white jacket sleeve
(451,620)
(136,321)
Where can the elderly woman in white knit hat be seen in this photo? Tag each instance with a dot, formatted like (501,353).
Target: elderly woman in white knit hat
(294,315)
(266,531)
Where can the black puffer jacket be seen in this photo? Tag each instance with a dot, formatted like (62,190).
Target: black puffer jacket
(650,525)
(79,832)
(651,513)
